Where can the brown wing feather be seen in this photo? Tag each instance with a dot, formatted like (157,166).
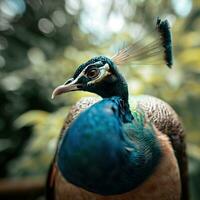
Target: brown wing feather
(50,183)
(166,121)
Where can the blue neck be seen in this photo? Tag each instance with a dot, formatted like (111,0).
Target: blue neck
(104,155)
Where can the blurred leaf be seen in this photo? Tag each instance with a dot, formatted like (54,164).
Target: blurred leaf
(31,118)
(190,56)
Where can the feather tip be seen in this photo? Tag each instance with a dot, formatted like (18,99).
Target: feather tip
(164,30)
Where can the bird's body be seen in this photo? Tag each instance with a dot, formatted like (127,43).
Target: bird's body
(118,148)
(159,186)
(163,184)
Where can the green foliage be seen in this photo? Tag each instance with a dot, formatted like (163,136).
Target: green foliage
(41,147)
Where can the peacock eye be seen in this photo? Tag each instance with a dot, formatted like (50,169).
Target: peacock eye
(93,73)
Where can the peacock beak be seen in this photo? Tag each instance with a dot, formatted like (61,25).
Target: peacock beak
(68,86)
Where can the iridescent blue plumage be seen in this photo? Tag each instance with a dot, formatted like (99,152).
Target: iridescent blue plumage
(99,144)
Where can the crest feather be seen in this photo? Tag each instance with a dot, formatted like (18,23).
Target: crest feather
(158,51)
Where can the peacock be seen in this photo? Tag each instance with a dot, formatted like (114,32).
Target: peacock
(116,147)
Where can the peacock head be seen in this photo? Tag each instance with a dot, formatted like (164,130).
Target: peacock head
(98,75)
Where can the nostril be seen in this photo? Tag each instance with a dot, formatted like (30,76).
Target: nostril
(80,86)
(68,81)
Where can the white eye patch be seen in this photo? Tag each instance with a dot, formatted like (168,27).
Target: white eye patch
(104,71)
